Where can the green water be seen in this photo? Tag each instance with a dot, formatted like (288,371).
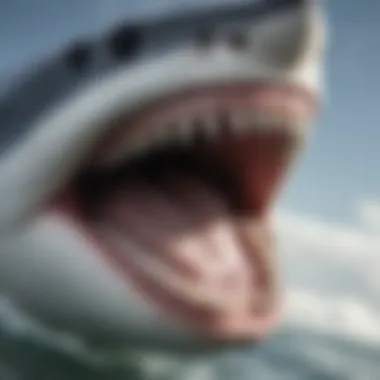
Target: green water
(292,354)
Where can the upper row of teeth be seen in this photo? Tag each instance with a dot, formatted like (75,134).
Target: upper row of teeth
(186,125)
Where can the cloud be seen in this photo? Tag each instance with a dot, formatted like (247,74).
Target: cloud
(369,212)
(341,316)
(333,271)
(341,242)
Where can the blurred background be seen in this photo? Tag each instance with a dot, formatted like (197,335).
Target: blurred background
(328,218)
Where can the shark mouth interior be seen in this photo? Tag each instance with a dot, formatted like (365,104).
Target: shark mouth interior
(178,197)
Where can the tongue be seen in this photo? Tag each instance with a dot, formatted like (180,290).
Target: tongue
(183,227)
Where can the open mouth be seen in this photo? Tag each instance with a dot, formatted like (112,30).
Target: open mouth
(177,198)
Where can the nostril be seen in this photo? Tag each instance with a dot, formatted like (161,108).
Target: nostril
(238,40)
(79,57)
(125,42)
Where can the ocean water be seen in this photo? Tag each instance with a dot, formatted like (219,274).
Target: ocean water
(292,354)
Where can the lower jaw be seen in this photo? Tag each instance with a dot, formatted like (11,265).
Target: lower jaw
(225,327)
(220,326)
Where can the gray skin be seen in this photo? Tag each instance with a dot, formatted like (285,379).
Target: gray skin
(58,112)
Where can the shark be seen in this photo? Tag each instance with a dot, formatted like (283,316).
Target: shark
(140,168)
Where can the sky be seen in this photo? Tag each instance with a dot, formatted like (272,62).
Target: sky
(328,219)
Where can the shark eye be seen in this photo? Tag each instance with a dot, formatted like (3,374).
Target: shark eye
(124,42)
(79,56)
(238,40)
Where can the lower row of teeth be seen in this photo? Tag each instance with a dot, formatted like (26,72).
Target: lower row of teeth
(186,126)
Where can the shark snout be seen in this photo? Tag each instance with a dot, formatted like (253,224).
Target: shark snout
(293,38)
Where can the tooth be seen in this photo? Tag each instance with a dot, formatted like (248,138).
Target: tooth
(241,120)
(161,133)
(127,149)
(210,125)
(185,128)
(299,128)
(261,119)
(235,119)
(281,121)
(273,122)
(139,145)
(165,134)
(267,121)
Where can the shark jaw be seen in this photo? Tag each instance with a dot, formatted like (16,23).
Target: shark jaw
(177,198)
(140,203)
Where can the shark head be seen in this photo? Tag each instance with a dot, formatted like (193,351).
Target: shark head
(141,168)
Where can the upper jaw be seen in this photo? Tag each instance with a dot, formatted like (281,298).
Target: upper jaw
(207,115)
(74,129)
(64,136)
